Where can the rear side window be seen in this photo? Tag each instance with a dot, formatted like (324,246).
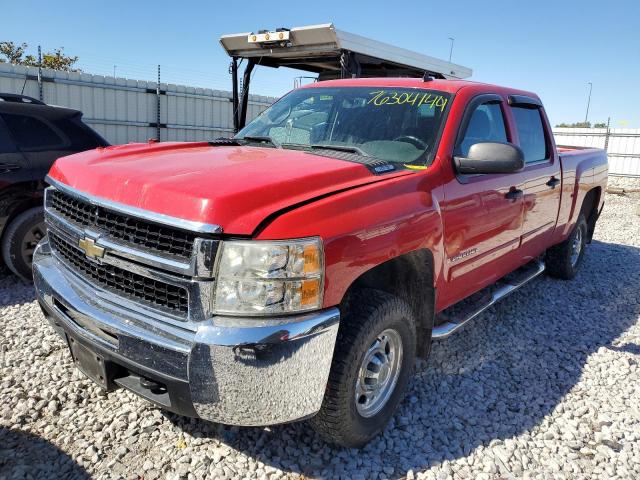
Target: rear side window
(486,125)
(80,136)
(30,133)
(6,145)
(531,134)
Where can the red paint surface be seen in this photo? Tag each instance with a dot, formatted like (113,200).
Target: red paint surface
(363,219)
(236,187)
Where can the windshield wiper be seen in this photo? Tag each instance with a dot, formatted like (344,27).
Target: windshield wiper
(341,148)
(261,138)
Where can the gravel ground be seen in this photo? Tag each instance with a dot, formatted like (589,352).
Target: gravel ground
(544,385)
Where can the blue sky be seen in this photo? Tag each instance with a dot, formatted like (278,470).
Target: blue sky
(552,48)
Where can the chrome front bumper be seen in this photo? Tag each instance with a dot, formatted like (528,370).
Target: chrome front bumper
(236,371)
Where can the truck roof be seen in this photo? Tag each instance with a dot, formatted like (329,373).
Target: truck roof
(319,49)
(449,86)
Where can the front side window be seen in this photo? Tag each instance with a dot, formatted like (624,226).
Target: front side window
(486,125)
(399,125)
(30,133)
(531,133)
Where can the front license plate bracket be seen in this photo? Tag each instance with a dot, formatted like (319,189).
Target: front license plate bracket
(92,364)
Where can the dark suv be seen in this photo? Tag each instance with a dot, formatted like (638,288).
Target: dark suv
(32,136)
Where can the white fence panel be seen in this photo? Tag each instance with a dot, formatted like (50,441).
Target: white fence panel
(124,110)
(622,144)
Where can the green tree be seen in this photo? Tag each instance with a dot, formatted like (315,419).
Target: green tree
(12,52)
(600,125)
(56,60)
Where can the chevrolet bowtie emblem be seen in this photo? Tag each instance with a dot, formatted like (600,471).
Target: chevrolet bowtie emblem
(90,249)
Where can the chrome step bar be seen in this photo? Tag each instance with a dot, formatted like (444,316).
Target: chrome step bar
(450,326)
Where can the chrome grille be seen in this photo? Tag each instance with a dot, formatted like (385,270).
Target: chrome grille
(137,287)
(142,233)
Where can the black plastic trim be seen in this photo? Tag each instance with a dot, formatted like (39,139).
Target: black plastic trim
(524,101)
(468,113)
(377,166)
(224,142)
(178,394)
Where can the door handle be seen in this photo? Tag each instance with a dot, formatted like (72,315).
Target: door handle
(9,167)
(513,194)
(554,182)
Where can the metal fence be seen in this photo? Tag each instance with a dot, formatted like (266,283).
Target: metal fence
(124,110)
(622,145)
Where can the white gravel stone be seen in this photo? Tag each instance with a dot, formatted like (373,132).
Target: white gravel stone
(543,385)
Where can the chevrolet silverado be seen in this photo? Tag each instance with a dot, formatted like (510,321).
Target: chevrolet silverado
(296,270)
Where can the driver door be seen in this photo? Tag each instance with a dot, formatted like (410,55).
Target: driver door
(483,213)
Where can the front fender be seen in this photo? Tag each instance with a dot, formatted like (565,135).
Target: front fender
(367,226)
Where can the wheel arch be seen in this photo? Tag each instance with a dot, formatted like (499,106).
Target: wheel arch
(409,276)
(590,210)
(19,198)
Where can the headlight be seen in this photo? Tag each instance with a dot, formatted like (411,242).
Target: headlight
(269,277)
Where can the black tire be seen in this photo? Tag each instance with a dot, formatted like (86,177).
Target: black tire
(371,313)
(20,239)
(560,261)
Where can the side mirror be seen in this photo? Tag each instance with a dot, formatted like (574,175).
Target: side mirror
(491,157)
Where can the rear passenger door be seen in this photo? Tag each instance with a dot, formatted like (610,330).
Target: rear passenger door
(13,165)
(542,173)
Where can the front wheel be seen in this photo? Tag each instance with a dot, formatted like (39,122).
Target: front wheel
(373,359)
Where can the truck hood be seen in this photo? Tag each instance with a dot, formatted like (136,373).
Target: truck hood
(234,187)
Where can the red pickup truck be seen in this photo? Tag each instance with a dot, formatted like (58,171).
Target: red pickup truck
(297,270)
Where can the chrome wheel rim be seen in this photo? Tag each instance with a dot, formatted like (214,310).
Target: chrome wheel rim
(378,373)
(576,247)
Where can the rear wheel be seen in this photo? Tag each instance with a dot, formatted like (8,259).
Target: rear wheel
(20,240)
(372,363)
(564,259)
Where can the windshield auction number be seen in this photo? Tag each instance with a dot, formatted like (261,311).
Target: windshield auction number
(386,97)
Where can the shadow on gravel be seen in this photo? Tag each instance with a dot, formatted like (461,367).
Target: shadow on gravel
(497,378)
(632,348)
(23,455)
(14,291)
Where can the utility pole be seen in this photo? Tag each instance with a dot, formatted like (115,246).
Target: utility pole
(40,94)
(158,106)
(451,48)
(114,71)
(586,116)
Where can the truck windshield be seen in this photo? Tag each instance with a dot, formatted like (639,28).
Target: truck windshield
(399,125)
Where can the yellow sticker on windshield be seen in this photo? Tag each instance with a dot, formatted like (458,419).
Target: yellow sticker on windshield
(392,97)
(415,167)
